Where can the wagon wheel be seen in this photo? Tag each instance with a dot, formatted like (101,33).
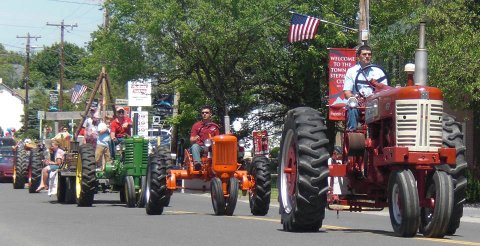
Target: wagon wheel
(61,188)
(218,199)
(436,217)
(403,203)
(231,201)
(303,174)
(86,182)
(70,194)
(129,189)
(259,196)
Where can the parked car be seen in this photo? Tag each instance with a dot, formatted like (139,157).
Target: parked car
(6,158)
(153,134)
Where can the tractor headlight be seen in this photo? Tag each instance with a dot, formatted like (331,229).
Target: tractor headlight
(241,143)
(352,102)
(208,143)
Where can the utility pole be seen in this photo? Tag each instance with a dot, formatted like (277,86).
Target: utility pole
(364,21)
(26,76)
(62,26)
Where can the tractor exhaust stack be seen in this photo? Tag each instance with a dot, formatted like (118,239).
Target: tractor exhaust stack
(421,58)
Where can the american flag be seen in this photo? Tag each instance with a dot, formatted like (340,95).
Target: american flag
(78,91)
(302,27)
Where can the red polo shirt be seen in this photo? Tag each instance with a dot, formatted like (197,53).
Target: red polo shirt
(116,127)
(205,130)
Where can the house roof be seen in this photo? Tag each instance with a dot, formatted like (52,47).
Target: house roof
(11,91)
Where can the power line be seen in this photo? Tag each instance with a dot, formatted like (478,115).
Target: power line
(26,74)
(62,60)
(64,1)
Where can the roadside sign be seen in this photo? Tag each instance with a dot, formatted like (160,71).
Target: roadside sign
(121,102)
(40,115)
(140,93)
(156,121)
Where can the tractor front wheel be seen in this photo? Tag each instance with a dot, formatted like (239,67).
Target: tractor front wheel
(403,203)
(142,192)
(231,201)
(435,218)
(85,176)
(129,189)
(216,193)
(259,196)
(303,170)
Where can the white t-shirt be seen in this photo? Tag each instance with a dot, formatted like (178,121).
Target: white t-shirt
(364,88)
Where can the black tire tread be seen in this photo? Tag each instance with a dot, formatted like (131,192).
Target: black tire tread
(453,138)
(312,184)
(21,168)
(89,180)
(260,197)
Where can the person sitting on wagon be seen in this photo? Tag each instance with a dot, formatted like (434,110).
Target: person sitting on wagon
(59,156)
(201,131)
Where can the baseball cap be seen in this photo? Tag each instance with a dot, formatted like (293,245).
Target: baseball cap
(120,109)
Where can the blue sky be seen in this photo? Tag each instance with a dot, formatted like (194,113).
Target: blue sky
(19,17)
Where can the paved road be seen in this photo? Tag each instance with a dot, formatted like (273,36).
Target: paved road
(36,219)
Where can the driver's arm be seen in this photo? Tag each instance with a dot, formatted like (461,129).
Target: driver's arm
(348,93)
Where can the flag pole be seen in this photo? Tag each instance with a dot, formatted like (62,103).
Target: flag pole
(328,22)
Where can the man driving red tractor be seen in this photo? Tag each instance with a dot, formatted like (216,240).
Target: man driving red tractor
(201,131)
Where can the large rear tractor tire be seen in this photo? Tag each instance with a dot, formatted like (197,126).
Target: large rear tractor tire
(85,176)
(435,219)
(231,201)
(453,138)
(259,196)
(218,199)
(20,171)
(36,170)
(403,203)
(303,170)
(158,196)
(129,188)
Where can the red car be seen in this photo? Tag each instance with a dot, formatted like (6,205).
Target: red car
(6,158)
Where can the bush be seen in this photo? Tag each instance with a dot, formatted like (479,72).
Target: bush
(473,186)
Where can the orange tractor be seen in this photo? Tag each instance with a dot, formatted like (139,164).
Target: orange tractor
(406,155)
(221,167)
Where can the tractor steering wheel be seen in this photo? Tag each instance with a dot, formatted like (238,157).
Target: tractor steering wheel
(362,71)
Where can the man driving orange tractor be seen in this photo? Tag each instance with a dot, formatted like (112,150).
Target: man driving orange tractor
(201,131)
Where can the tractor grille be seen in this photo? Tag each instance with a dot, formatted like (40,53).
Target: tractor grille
(225,153)
(419,124)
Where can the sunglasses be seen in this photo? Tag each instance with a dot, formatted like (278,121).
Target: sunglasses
(205,112)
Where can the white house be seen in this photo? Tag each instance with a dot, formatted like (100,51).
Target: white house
(11,108)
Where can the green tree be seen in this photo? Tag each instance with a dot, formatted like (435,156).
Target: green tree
(11,67)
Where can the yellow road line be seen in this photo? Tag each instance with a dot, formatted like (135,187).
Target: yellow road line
(330,227)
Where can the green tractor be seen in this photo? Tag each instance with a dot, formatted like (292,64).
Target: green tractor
(125,174)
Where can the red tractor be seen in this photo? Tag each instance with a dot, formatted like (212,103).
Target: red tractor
(406,155)
(221,167)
